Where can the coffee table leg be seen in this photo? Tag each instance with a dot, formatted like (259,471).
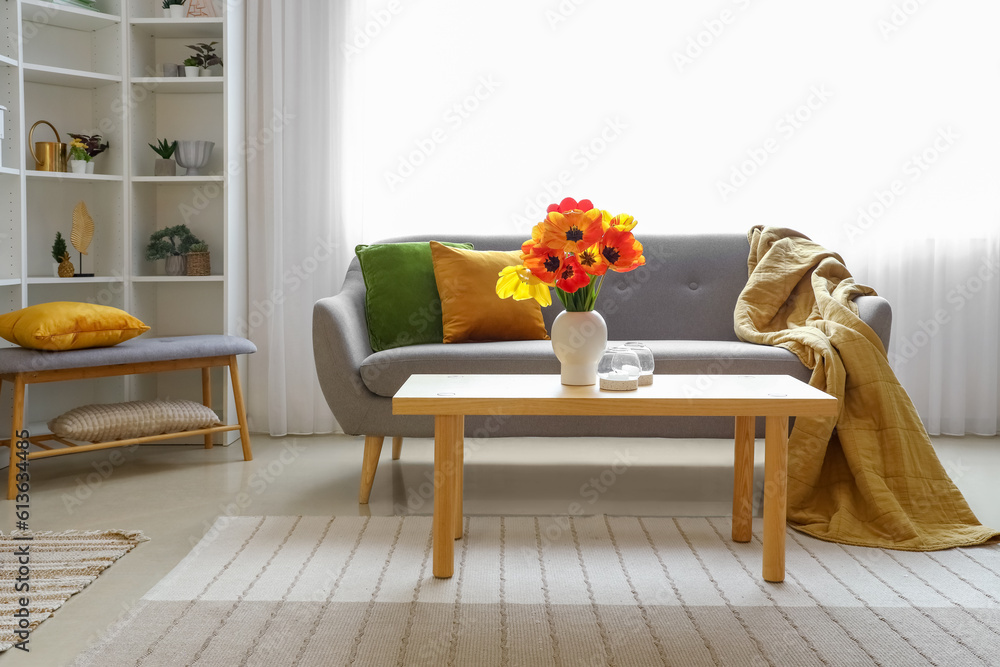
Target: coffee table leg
(775,497)
(447,433)
(743,480)
(459,476)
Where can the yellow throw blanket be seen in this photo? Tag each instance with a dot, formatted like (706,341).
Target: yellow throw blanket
(868,476)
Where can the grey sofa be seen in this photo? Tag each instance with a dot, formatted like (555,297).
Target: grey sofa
(680,304)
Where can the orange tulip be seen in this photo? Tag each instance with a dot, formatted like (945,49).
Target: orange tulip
(572,231)
(621,251)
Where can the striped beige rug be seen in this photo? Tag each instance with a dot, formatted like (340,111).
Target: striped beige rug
(554,591)
(59,565)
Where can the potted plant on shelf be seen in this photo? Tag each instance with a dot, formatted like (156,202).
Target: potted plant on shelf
(172,244)
(93,147)
(164,166)
(173,9)
(199,260)
(205,58)
(78,157)
(59,253)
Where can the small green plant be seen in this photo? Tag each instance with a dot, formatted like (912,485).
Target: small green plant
(59,247)
(200,246)
(204,56)
(176,240)
(78,151)
(163,149)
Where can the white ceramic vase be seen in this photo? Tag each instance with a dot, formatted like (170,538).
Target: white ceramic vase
(192,72)
(177,11)
(78,166)
(193,155)
(90,167)
(579,339)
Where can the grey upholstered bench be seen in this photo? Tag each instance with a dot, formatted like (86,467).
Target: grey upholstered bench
(22,367)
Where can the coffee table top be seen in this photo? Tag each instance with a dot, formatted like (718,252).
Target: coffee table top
(694,395)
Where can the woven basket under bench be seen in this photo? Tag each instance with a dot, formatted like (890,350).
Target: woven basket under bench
(22,367)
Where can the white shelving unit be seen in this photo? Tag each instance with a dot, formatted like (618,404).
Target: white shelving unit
(100,72)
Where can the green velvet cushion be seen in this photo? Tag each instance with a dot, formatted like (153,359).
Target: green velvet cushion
(401,297)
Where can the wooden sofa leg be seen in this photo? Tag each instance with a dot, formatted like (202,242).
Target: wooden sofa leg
(241,411)
(397,447)
(373,447)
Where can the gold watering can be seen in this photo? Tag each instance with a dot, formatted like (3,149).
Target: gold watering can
(49,155)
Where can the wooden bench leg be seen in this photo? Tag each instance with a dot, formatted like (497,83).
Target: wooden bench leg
(206,398)
(373,447)
(16,424)
(397,447)
(241,413)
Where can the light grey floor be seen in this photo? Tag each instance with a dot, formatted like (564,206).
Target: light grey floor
(174,493)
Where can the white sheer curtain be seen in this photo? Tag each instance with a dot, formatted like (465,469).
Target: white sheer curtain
(871,127)
(299,243)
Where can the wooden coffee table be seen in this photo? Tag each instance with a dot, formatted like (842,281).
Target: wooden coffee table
(776,397)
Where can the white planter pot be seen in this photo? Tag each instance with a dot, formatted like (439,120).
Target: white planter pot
(164,167)
(579,339)
(177,11)
(191,71)
(176,265)
(55,269)
(78,166)
(166,13)
(90,167)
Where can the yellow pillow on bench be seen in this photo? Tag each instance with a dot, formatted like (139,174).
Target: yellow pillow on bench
(69,325)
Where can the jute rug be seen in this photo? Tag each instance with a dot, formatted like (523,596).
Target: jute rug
(59,565)
(554,591)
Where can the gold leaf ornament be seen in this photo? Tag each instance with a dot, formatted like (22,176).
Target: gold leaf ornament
(83,228)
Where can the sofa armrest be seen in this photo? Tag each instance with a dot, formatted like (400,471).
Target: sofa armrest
(340,344)
(876,313)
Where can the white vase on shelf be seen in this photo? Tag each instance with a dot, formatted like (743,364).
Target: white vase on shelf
(90,167)
(177,11)
(77,167)
(191,71)
(166,13)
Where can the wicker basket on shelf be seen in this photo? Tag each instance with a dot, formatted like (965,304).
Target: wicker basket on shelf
(199,264)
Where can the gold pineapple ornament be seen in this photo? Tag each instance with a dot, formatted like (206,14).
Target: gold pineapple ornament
(66,268)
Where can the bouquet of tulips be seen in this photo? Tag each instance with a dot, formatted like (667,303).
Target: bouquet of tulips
(572,249)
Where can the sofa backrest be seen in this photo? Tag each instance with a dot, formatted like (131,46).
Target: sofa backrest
(686,291)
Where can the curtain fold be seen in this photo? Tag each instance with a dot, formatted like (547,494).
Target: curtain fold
(297,241)
(945,296)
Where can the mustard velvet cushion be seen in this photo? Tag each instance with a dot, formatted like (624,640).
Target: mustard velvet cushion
(69,325)
(470,308)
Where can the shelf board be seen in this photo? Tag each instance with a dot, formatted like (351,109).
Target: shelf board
(180,84)
(65,16)
(70,78)
(9,62)
(177,279)
(8,170)
(7,282)
(164,27)
(60,175)
(50,280)
(212,178)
